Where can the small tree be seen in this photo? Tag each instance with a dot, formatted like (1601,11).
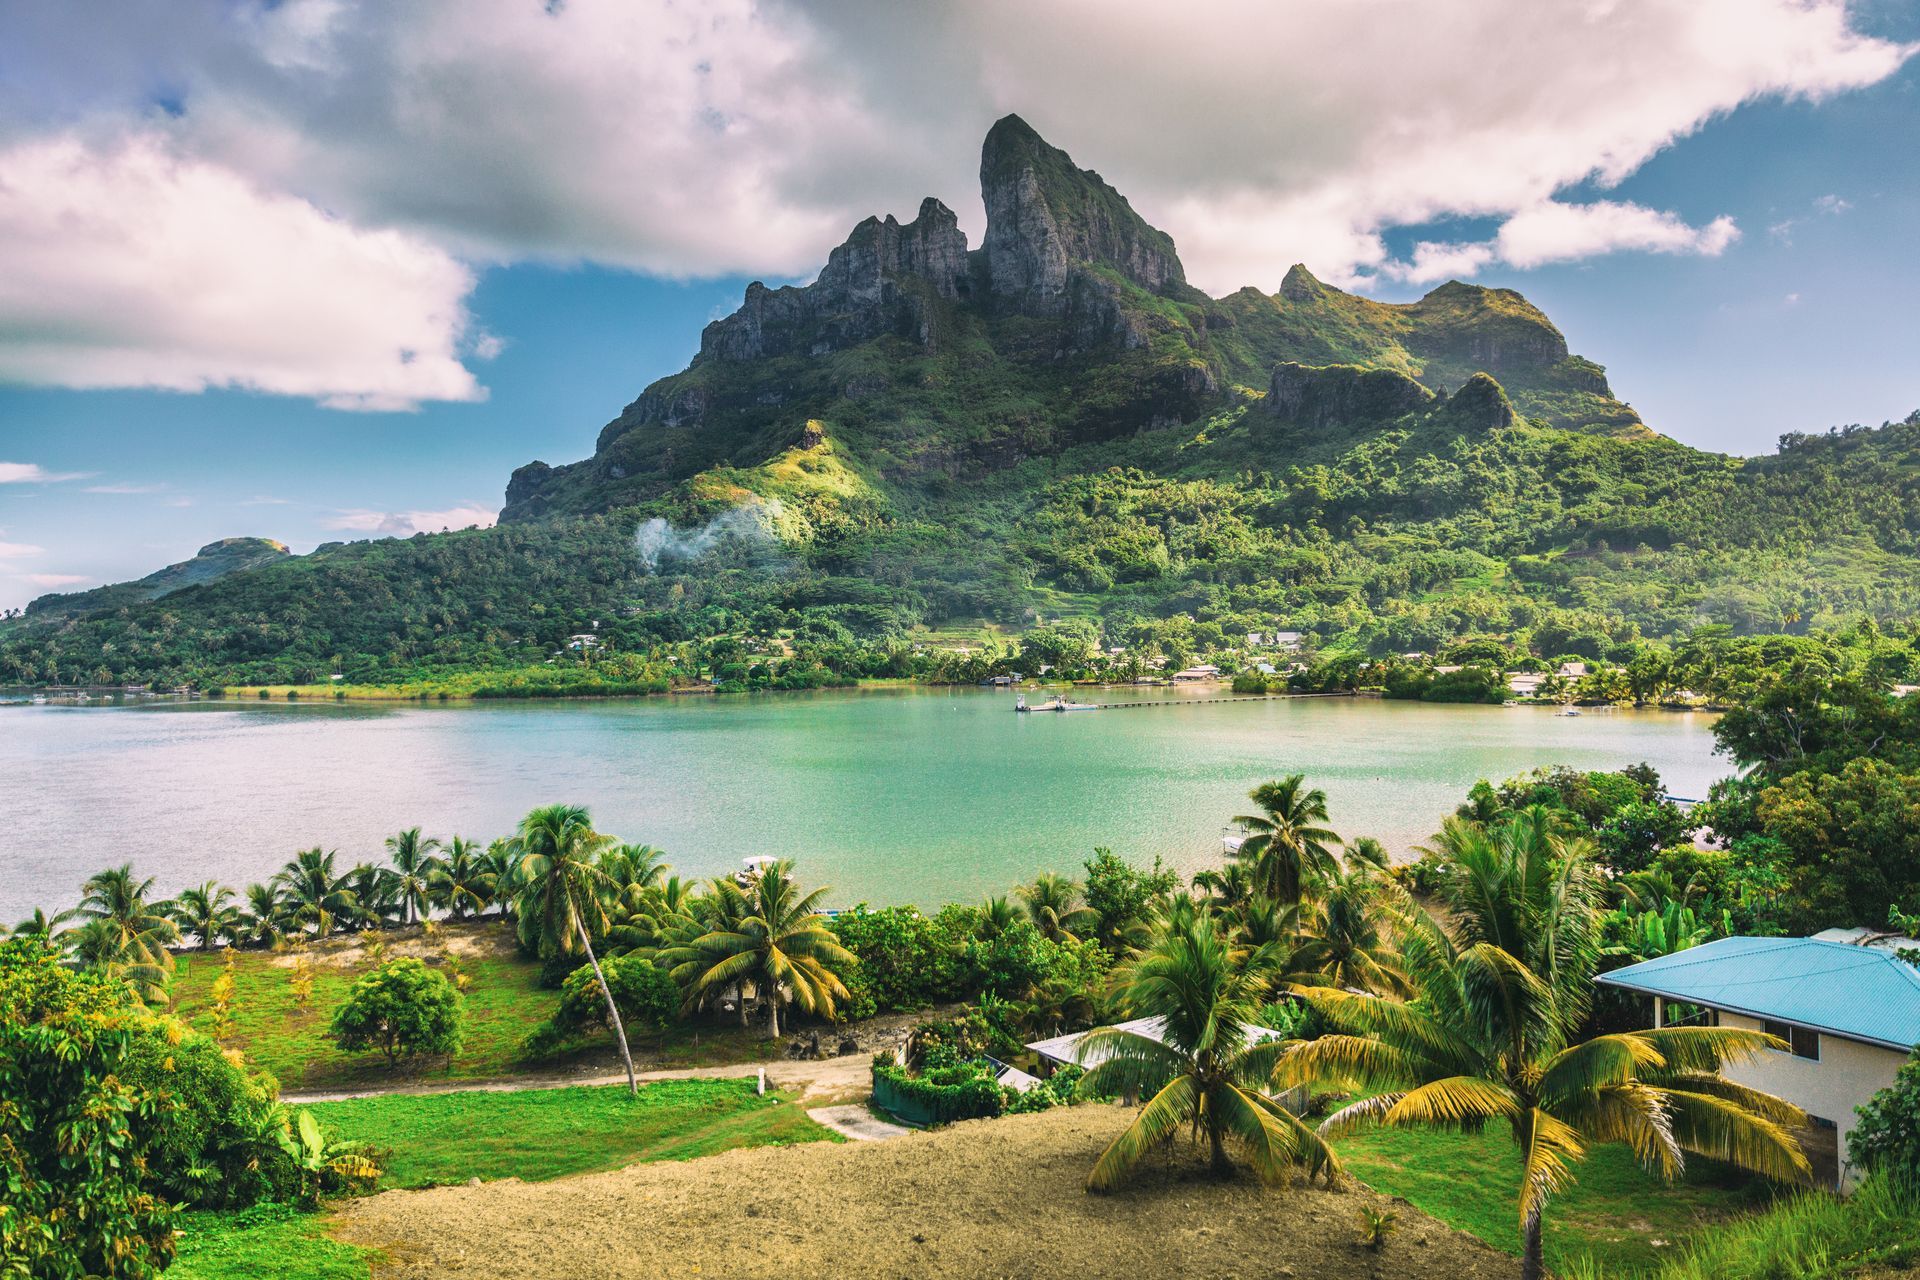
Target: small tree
(1887,1139)
(643,994)
(403,1007)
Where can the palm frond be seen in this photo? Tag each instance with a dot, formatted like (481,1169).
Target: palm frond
(1175,1104)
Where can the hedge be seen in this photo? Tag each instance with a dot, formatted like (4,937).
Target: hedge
(920,1100)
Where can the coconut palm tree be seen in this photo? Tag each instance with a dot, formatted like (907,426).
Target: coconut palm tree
(1504,988)
(125,935)
(634,869)
(997,915)
(777,940)
(264,919)
(206,912)
(52,928)
(561,890)
(463,881)
(1288,849)
(1207,1072)
(499,863)
(413,870)
(314,893)
(1226,887)
(375,895)
(1344,942)
(1053,904)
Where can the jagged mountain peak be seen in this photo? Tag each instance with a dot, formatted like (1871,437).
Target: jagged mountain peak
(1045,214)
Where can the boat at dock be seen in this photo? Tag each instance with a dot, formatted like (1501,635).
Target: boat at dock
(1056,703)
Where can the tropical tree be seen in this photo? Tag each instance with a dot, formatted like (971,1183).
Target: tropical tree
(774,938)
(206,911)
(1344,942)
(54,929)
(125,935)
(1504,988)
(996,916)
(561,890)
(1208,1070)
(1053,904)
(463,881)
(314,893)
(501,866)
(375,896)
(264,919)
(413,869)
(1286,845)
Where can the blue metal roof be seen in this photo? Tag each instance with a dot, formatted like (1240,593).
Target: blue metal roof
(1862,993)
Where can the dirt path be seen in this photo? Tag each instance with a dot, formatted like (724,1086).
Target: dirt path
(857,1122)
(997,1198)
(815,1080)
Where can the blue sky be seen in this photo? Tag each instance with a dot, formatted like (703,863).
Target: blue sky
(326,319)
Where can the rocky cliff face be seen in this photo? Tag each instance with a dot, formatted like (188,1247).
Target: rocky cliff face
(1342,395)
(873,285)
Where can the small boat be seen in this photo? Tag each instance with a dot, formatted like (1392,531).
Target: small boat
(1056,703)
(1568,711)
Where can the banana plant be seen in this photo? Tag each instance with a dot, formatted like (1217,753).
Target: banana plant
(323,1165)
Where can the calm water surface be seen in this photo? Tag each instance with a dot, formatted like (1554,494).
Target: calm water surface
(897,795)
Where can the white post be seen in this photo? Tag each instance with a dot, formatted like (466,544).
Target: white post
(760,1086)
(1659,1013)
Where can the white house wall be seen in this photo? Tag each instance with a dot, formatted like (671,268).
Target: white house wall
(1846,1076)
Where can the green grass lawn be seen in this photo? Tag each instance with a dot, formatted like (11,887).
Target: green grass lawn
(550,1133)
(504,1001)
(269,1242)
(1613,1213)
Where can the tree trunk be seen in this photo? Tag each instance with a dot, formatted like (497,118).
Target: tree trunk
(773,1014)
(613,1014)
(1532,1260)
(740,994)
(1222,1167)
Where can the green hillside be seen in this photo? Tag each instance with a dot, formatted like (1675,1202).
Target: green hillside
(1054,424)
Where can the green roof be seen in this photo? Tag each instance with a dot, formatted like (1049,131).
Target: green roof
(1861,993)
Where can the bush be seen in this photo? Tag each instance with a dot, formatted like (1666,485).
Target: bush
(1887,1139)
(402,1008)
(960,1093)
(74,1195)
(220,1149)
(643,993)
(907,960)
(1058,1090)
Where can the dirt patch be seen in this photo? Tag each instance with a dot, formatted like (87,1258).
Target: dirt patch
(987,1198)
(348,951)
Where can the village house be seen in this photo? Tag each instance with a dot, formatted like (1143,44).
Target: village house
(1845,1002)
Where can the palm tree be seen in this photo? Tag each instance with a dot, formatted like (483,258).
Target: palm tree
(1289,851)
(997,915)
(500,865)
(375,896)
(634,869)
(1207,1071)
(1344,942)
(315,894)
(777,940)
(1504,988)
(1052,903)
(463,881)
(556,845)
(53,928)
(414,863)
(124,934)
(264,919)
(204,911)
(1226,887)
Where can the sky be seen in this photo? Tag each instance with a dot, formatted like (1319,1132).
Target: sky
(322,269)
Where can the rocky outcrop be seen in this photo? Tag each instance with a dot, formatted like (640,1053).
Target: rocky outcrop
(1046,217)
(876,283)
(1342,395)
(1480,405)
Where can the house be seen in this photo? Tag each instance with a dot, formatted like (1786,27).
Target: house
(1264,668)
(1064,1050)
(1205,671)
(1573,670)
(1849,1012)
(1524,684)
(1288,640)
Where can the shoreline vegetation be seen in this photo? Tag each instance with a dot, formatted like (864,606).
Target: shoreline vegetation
(1337,973)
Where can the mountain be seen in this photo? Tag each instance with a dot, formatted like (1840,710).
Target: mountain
(209,564)
(1071,323)
(936,439)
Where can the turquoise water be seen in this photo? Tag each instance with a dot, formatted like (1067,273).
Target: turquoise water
(892,795)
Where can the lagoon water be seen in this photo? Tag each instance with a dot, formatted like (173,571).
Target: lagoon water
(889,795)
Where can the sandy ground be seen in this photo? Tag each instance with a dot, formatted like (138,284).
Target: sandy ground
(1001,1198)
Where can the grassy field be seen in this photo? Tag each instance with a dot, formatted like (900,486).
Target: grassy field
(504,1001)
(540,1134)
(269,1242)
(1616,1214)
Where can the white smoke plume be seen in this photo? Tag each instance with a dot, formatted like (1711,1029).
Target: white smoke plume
(746,532)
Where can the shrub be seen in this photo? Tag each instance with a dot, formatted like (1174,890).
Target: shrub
(219,1148)
(73,1134)
(907,960)
(1887,1139)
(643,993)
(402,1008)
(1058,1090)
(960,1092)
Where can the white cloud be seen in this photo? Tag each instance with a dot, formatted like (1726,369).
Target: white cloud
(124,488)
(33,472)
(53,580)
(18,550)
(1555,232)
(123,265)
(1832,204)
(749,136)
(403,524)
